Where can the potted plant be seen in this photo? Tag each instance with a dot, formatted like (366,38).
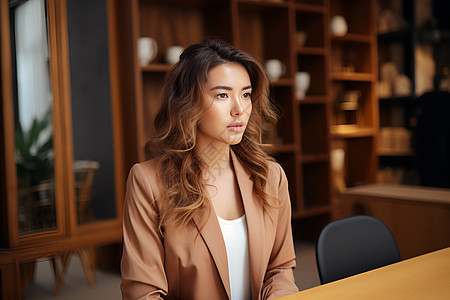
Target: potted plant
(34,163)
(34,156)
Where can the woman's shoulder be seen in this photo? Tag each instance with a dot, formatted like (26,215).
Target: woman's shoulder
(144,172)
(275,170)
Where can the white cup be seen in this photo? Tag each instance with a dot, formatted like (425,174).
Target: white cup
(147,50)
(302,82)
(173,54)
(275,68)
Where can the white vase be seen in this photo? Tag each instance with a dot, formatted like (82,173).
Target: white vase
(302,82)
(173,54)
(147,50)
(338,26)
(275,68)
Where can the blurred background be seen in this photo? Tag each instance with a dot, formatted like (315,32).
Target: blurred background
(363,93)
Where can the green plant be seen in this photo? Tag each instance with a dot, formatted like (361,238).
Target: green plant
(34,155)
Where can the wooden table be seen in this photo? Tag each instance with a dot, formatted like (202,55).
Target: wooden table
(422,277)
(418,217)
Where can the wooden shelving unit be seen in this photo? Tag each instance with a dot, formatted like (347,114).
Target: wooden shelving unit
(398,46)
(267,30)
(354,70)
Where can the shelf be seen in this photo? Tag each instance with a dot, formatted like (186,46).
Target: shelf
(394,152)
(282,82)
(191,3)
(263,4)
(315,158)
(351,131)
(353,37)
(316,66)
(312,24)
(312,51)
(309,100)
(262,29)
(398,99)
(395,36)
(156,68)
(352,76)
(279,149)
(309,8)
(398,46)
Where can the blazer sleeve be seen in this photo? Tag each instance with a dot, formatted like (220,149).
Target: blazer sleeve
(279,279)
(142,263)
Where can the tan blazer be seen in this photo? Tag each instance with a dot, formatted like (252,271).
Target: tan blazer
(188,265)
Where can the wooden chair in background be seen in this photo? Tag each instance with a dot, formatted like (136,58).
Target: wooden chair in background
(84,180)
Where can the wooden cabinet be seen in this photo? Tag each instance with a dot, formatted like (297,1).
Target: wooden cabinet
(62,178)
(297,34)
(63,187)
(418,217)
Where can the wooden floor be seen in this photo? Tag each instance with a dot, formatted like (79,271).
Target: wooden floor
(107,285)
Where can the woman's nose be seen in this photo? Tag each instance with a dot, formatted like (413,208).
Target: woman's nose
(237,108)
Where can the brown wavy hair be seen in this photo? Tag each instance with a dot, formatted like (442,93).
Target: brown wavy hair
(180,169)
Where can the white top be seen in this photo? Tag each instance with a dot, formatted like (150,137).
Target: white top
(235,235)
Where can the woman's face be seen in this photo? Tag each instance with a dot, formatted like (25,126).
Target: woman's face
(227,105)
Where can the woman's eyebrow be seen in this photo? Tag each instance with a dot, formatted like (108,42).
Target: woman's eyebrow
(221,87)
(224,87)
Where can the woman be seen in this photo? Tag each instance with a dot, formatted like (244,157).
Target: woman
(209,217)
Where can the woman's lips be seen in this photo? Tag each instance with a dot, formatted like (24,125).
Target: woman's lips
(236,127)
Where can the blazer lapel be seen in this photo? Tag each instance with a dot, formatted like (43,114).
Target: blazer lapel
(255,225)
(212,236)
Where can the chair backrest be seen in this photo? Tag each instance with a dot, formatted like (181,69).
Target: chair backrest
(354,245)
(84,181)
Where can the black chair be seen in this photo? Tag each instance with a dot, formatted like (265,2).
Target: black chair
(354,245)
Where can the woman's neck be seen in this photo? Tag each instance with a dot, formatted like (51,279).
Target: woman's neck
(217,159)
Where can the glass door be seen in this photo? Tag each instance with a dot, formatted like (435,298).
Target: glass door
(93,115)
(33,117)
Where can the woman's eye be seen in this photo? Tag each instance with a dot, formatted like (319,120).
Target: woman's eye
(222,96)
(247,96)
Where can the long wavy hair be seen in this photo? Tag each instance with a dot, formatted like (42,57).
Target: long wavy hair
(180,169)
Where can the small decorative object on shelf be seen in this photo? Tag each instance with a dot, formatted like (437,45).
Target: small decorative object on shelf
(349,113)
(384,89)
(338,26)
(388,72)
(275,68)
(402,86)
(425,69)
(173,54)
(147,50)
(300,37)
(390,175)
(351,99)
(302,82)
(393,83)
(337,156)
(444,83)
(270,136)
(394,141)
(391,19)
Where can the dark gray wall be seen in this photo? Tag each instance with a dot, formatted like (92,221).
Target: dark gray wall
(91,98)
